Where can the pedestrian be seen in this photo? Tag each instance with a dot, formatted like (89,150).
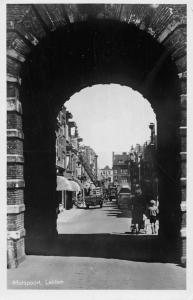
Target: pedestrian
(87,191)
(153,215)
(137,211)
(79,199)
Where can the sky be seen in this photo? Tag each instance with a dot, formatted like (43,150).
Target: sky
(111,118)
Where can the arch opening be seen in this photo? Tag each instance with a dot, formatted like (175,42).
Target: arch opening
(109,52)
(118,118)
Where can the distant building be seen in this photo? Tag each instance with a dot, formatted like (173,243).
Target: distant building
(143,168)
(121,174)
(105,176)
(149,167)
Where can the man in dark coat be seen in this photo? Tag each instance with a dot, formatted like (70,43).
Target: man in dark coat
(138,209)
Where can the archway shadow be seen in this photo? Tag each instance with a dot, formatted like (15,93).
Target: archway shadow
(104,245)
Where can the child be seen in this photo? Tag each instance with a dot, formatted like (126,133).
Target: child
(153,213)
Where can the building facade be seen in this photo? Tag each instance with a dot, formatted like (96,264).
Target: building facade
(121,171)
(142,167)
(105,176)
(73,161)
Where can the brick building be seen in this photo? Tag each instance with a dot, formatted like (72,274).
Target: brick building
(105,176)
(73,162)
(121,174)
(142,166)
(61,141)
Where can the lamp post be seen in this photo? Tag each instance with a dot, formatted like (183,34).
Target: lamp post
(131,162)
(152,128)
(139,166)
(96,165)
(156,182)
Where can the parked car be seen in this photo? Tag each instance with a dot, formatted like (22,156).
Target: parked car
(112,193)
(124,199)
(95,198)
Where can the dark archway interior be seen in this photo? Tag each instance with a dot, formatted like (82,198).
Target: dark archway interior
(81,55)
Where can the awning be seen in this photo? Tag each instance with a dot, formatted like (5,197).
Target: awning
(79,183)
(75,186)
(63,184)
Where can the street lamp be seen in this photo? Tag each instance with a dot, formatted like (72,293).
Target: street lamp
(139,166)
(156,182)
(152,128)
(131,169)
(131,156)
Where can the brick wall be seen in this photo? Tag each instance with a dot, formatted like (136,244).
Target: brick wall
(15,222)
(15,196)
(15,183)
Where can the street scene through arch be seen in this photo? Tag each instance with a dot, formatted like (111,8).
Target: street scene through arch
(115,121)
(53,65)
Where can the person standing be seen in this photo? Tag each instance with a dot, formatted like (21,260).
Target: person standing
(138,211)
(87,191)
(153,215)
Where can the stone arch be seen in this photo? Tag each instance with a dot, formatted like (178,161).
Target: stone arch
(160,77)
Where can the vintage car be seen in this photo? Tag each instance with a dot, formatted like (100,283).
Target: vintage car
(124,199)
(95,198)
(112,193)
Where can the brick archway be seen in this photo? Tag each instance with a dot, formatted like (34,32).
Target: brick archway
(46,65)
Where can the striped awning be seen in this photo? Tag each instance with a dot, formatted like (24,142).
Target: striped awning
(63,184)
(75,186)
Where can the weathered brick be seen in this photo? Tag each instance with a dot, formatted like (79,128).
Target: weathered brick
(14,41)
(183,168)
(14,105)
(183,117)
(183,101)
(14,171)
(183,219)
(12,90)
(13,67)
(183,254)
(183,143)
(15,252)
(14,121)
(15,146)
(176,43)
(15,196)
(181,64)
(15,221)
(183,194)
